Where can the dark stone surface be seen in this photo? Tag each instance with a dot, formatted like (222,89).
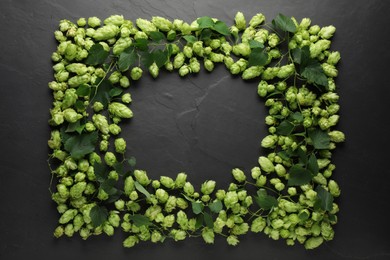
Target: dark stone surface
(203,125)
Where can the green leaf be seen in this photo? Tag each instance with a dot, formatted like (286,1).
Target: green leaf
(314,73)
(114,197)
(301,155)
(160,57)
(264,200)
(98,215)
(285,128)
(320,139)
(156,36)
(284,155)
(102,92)
(141,189)
(80,145)
(77,126)
(205,34)
(141,44)
(303,216)
(297,117)
(100,171)
(169,50)
(109,186)
(221,28)
(72,127)
(83,90)
(146,59)
(114,92)
(79,105)
(299,176)
(190,38)
(324,199)
(297,55)
(216,206)
(127,58)
(199,221)
(255,44)
(140,220)
(96,55)
(205,22)
(284,23)
(197,207)
(258,57)
(310,68)
(132,162)
(119,168)
(312,164)
(208,220)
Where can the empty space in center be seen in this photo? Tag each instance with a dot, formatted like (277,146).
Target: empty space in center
(204,125)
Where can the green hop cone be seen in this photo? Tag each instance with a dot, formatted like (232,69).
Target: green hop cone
(280,170)
(120,110)
(120,145)
(59,232)
(194,65)
(67,216)
(336,136)
(129,185)
(269,141)
(207,187)
(124,82)
(106,32)
(240,21)
(110,158)
(252,72)
(178,61)
(178,234)
(126,98)
(168,182)
(145,25)
(184,70)
(117,20)
(142,177)
(94,21)
(162,195)
(76,191)
(136,73)
(188,189)
(208,235)
(334,188)
(255,172)
(162,23)
(171,35)
(232,240)
(101,123)
(257,20)
(208,65)
(156,237)
(258,224)
(154,70)
(238,175)
(266,164)
(71,116)
(313,242)
(327,32)
(231,198)
(242,49)
(180,180)
(130,241)
(333,58)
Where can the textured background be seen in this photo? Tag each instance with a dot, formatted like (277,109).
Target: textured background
(204,125)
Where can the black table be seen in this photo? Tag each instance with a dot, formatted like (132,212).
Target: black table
(171,128)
